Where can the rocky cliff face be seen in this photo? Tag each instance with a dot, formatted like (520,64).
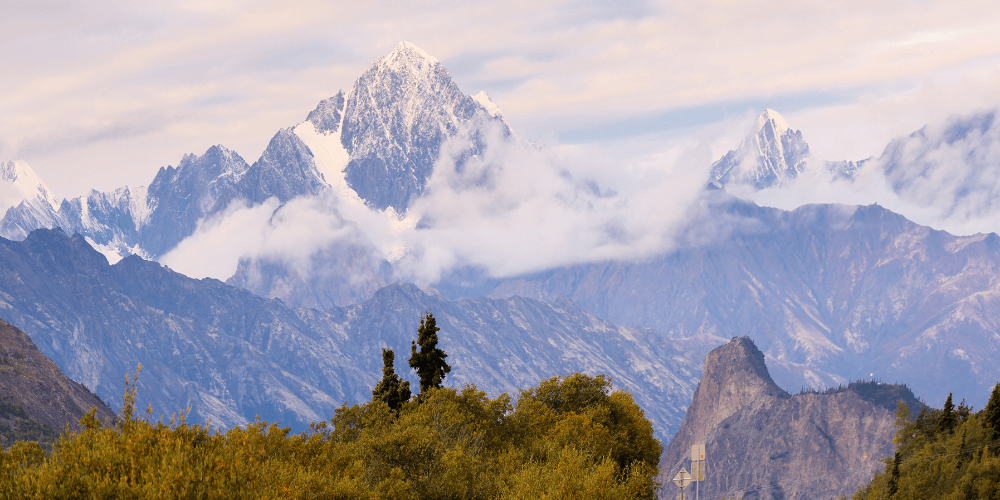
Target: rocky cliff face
(37,401)
(734,377)
(763,443)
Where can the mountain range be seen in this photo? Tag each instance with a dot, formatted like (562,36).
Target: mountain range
(829,293)
(231,356)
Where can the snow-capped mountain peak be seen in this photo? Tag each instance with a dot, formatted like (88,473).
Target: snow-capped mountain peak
(771,118)
(407,51)
(484,100)
(771,153)
(395,119)
(20,182)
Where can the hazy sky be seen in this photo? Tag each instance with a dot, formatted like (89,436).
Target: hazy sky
(101,94)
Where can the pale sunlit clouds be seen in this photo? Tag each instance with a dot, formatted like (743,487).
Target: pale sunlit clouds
(101,94)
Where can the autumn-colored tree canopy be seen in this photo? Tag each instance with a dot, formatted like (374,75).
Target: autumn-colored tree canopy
(570,437)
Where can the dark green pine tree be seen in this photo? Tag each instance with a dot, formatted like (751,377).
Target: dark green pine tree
(948,419)
(429,362)
(391,390)
(991,414)
(894,477)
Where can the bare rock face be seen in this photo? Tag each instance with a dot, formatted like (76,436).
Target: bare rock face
(37,401)
(764,443)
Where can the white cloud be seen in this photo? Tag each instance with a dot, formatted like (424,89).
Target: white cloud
(218,242)
(518,208)
(290,233)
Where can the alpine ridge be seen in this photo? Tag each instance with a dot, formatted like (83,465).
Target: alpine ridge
(375,145)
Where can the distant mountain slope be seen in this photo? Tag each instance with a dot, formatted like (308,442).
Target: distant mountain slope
(37,401)
(180,197)
(830,294)
(231,355)
(340,273)
(762,443)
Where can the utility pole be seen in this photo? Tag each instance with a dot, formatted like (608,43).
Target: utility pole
(697,466)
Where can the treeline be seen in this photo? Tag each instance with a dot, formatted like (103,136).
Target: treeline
(951,454)
(569,437)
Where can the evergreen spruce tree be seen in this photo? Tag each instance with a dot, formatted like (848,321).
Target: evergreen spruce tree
(948,418)
(429,362)
(894,477)
(991,414)
(391,390)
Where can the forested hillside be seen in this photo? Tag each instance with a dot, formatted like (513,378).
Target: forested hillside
(950,454)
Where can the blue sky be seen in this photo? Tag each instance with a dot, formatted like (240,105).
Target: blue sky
(101,94)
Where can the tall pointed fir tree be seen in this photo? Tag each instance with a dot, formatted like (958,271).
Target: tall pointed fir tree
(893,485)
(391,390)
(429,362)
(948,418)
(991,414)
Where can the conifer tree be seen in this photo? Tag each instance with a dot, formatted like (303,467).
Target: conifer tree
(991,414)
(429,362)
(391,390)
(948,418)
(894,476)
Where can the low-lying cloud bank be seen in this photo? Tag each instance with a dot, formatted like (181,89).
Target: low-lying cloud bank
(516,208)
(519,208)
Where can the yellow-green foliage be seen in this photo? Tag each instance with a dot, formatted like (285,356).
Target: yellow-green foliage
(570,437)
(948,454)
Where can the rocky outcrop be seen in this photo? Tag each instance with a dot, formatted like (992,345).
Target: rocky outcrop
(764,443)
(37,401)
